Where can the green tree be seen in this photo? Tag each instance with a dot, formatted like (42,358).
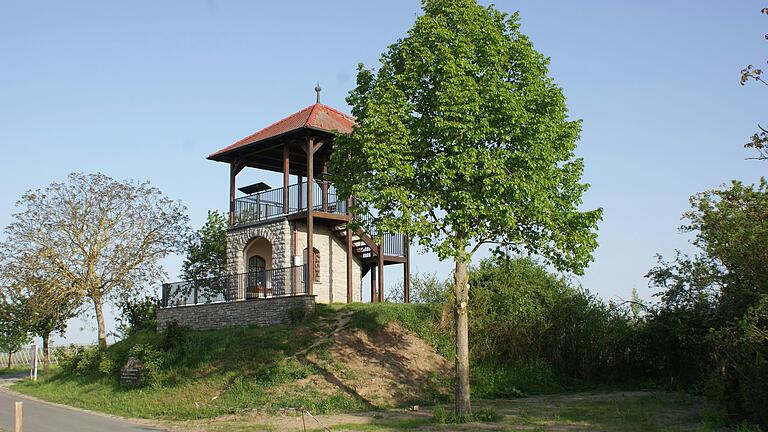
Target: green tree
(463,140)
(38,293)
(207,249)
(104,238)
(14,333)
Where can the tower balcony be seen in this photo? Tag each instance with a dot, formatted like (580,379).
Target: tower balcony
(281,202)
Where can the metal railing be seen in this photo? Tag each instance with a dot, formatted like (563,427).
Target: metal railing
(277,282)
(266,205)
(391,244)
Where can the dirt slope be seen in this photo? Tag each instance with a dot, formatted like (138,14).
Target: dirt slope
(387,367)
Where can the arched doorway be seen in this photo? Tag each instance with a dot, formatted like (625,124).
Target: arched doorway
(258,263)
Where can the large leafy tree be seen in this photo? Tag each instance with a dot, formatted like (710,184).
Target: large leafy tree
(207,249)
(104,238)
(463,140)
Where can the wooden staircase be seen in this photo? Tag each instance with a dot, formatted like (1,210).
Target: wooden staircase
(363,246)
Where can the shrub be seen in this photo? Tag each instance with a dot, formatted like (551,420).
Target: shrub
(173,341)
(523,317)
(137,314)
(152,361)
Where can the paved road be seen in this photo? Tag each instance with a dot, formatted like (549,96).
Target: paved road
(46,417)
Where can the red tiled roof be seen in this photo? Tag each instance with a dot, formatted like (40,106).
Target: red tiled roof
(317,116)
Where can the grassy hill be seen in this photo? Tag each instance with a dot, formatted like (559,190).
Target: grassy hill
(342,359)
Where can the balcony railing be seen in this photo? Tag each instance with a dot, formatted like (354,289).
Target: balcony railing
(269,204)
(278,282)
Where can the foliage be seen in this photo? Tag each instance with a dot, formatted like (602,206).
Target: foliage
(152,363)
(36,295)
(523,316)
(103,238)
(462,139)
(14,333)
(427,288)
(711,326)
(136,314)
(173,340)
(81,360)
(207,249)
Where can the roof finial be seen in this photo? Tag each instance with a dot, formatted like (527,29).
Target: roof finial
(317,90)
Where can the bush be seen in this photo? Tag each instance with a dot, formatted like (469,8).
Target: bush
(173,341)
(152,361)
(524,318)
(82,360)
(137,314)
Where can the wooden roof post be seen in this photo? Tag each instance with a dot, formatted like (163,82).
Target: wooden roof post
(234,168)
(373,284)
(324,184)
(381,270)
(349,264)
(310,222)
(407,270)
(286,178)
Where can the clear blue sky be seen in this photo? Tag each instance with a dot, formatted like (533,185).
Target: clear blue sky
(147,89)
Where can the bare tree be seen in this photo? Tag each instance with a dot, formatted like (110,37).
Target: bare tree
(759,140)
(104,238)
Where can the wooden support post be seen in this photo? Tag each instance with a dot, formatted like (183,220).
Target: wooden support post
(232,175)
(349,264)
(381,271)
(301,192)
(19,416)
(310,220)
(373,284)
(325,184)
(286,178)
(234,168)
(407,270)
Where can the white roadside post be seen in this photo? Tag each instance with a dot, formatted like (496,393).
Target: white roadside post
(33,362)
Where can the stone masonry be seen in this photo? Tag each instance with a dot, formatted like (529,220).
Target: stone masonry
(279,235)
(269,311)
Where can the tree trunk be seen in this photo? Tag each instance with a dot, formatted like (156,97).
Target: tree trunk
(10,358)
(100,323)
(461,289)
(46,357)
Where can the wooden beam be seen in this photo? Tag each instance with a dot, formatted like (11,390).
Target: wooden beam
(349,264)
(324,186)
(286,177)
(310,220)
(301,191)
(407,270)
(381,272)
(373,284)
(234,168)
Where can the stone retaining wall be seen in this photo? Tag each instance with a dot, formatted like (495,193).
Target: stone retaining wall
(209,316)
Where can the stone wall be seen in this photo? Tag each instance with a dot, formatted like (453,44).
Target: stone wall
(268,311)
